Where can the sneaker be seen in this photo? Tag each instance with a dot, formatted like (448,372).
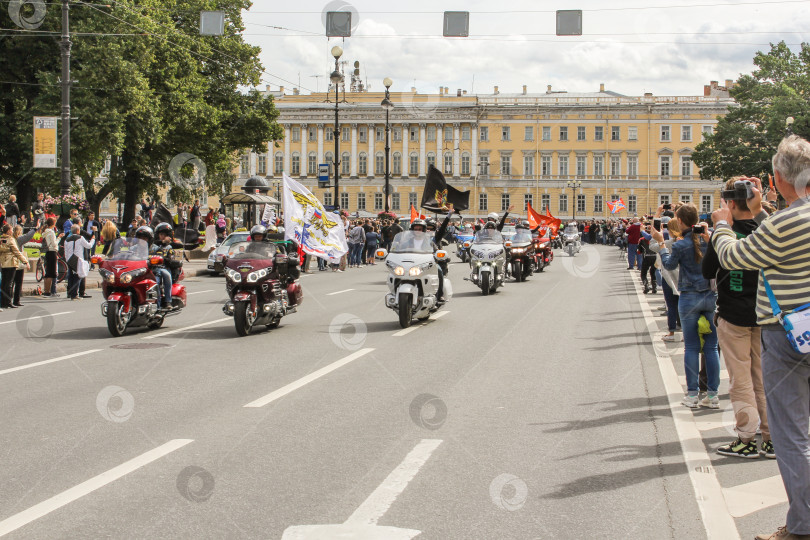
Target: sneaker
(738,448)
(767,449)
(690,401)
(710,401)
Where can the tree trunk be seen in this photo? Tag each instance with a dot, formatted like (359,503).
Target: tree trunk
(24,195)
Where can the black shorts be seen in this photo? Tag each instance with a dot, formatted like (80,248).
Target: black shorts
(50,264)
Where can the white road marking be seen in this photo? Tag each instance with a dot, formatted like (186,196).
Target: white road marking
(170,332)
(339,292)
(38,317)
(303,381)
(406,331)
(66,497)
(378,503)
(51,361)
(717,520)
(199,292)
(748,498)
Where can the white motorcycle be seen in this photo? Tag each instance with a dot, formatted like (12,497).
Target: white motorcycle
(488,260)
(571,241)
(415,282)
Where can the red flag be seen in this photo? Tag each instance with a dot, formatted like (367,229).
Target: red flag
(415,214)
(535,219)
(554,225)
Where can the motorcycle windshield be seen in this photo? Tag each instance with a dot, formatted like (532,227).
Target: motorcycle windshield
(571,229)
(488,236)
(412,242)
(251,250)
(129,250)
(522,236)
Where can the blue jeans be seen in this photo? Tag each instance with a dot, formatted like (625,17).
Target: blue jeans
(671,300)
(691,306)
(164,280)
(633,259)
(355,253)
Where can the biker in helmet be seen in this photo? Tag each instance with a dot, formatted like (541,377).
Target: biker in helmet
(493,217)
(147,236)
(419,225)
(258,233)
(164,273)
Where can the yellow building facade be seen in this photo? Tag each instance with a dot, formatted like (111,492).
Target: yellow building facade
(571,153)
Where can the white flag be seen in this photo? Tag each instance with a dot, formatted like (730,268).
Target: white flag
(269,215)
(318,232)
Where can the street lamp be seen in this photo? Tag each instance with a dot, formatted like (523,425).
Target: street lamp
(387,105)
(789,125)
(336,77)
(574,184)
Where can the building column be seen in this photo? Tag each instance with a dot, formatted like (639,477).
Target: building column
(474,157)
(304,156)
(372,159)
(287,152)
(439,151)
(353,156)
(406,158)
(422,152)
(456,150)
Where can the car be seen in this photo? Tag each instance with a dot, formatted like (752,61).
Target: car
(215,265)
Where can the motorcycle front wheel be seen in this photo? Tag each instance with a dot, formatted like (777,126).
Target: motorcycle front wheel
(485,283)
(116,319)
(405,314)
(243,318)
(517,271)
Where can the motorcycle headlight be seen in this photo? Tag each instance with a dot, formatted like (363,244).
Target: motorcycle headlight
(417,270)
(233,275)
(399,271)
(494,254)
(127,277)
(106,275)
(253,277)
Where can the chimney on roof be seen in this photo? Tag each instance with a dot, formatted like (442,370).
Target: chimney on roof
(524,89)
(729,83)
(548,89)
(496,90)
(464,92)
(458,92)
(267,88)
(647,94)
(295,91)
(413,89)
(602,87)
(707,90)
(281,89)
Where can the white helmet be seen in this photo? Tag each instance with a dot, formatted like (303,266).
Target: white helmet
(493,216)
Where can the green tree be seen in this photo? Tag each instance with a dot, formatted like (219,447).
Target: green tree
(747,137)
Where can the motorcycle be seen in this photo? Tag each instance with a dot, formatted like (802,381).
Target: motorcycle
(130,288)
(262,283)
(463,247)
(543,254)
(571,240)
(521,255)
(415,282)
(488,260)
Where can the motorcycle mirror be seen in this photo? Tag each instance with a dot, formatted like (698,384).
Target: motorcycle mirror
(156,261)
(381,254)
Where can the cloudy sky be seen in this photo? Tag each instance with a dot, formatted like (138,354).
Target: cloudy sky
(668,47)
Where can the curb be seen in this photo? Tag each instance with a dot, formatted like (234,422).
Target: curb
(29,290)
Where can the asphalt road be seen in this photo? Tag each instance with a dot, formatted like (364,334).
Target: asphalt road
(539,412)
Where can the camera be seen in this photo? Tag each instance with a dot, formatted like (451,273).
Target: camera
(743,190)
(667,206)
(698,229)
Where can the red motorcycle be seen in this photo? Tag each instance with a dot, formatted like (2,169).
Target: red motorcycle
(130,289)
(261,280)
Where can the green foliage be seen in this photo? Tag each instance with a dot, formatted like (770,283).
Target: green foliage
(747,137)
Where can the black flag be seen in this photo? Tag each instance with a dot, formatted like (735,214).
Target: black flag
(439,195)
(190,238)
(161,215)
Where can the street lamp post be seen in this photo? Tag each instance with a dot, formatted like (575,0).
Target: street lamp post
(387,105)
(574,184)
(336,77)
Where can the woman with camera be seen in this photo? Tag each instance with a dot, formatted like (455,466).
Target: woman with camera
(696,299)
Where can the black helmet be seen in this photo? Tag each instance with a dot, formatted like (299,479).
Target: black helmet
(258,229)
(164,228)
(523,225)
(145,233)
(490,225)
(430,223)
(419,223)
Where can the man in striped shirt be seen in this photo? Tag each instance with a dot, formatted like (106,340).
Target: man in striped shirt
(780,247)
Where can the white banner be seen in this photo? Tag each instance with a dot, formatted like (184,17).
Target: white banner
(318,232)
(269,215)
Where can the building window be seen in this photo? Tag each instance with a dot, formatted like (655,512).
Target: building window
(686,165)
(296,134)
(563,206)
(313,134)
(665,134)
(378,201)
(632,166)
(262,168)
(615,133)
(395,201)
(505,133)
(484,165)
(312,164)
(632,204)
(448,133)
(707,130)
(545,202)
(528,133)
(615,166)
(327,198)
(686,199)
(397,136)
(345,162)
(706,205)
(379,134)
(599,133)
(686,133)
(244,164)
(563,162)
(664,168)
(482,201)
(598,165)
(546,133)
(413,199)
(396,164)
(632,133)
(413,168)
(363,134)
(504,202)
(527,200)
(528,166)
(484,133)
(346,133)
(431,133)
(580,133)
(329,134)
(414,131)
(431,159)
(581,165)
(361,201)
(379,163)
(362,164)
(597,204)
(465,164)
(344,200)
(563,133)
(296,164)
(506,165)
(465,133)
(663,199)
(581,204)
(448,163)
(545,165)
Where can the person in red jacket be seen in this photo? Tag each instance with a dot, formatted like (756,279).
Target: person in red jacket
(633,237)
